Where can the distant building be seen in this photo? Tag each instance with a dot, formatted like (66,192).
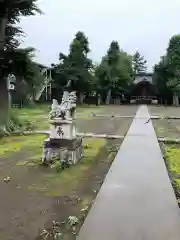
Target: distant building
(143,77)
(144,90)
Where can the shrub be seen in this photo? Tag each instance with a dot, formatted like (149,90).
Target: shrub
(58,166)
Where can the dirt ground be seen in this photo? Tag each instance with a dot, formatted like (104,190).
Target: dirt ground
(36,196)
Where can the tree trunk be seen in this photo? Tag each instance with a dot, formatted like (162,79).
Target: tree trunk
(4,93)
(99,100)
(175,100)
(4,102)
(81,98)
(108,97)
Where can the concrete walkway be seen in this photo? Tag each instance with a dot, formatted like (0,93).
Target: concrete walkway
(136,201)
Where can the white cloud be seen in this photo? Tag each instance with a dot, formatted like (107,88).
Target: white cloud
(136,24)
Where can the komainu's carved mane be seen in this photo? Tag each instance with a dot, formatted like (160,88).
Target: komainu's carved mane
(66,109)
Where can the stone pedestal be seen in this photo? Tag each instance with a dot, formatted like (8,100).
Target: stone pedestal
(62,143)
(69,151)
(62,129)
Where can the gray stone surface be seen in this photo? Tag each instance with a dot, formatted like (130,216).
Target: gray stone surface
(136,201)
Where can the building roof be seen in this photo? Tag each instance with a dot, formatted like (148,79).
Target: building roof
(42,65)
(144,74)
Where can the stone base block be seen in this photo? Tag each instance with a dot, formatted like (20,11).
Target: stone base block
(66,151)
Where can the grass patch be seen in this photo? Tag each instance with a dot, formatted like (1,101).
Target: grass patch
(58,183)
(37,115)
(160,130)
(83,117)
(69,178)
(173,161)
(16,143)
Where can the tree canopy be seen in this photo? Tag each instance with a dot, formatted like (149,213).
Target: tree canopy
(173,61)
(27,72)
(113,73)
(160,78)
(115,70)
(75,67)
(167,71)
(10,13)
(139,63)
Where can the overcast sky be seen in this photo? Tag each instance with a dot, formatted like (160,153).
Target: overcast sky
(141,25)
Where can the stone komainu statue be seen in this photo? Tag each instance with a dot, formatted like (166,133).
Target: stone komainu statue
(63,143)
(66,109)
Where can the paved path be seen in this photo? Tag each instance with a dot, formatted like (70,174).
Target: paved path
(136,201)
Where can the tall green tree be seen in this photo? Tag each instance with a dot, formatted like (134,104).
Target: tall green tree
(27,72)
(173,61)
(115,71)
(112,68)
(161,77)
(139,63)
(75,68)
(10,13)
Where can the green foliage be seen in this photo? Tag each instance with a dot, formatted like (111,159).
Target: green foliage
(139,63)
(167,71)
(174,83)
(15,143)
(173,161)
(173,52)
(10,14)
(173,61)
(113,54)
(76,71)
(13,11)
(58,166)
(161,77)
(115,69)
(27,72)
(76,66)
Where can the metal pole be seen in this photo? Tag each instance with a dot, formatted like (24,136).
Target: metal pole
(50,76)
(46,85)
